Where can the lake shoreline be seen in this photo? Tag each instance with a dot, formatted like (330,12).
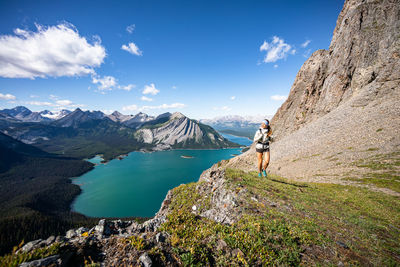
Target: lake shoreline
(128,156)
(101,189)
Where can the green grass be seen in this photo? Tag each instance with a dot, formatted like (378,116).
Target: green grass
(261,241)
(367,222)
(384,170)
(308,224)
(13,259)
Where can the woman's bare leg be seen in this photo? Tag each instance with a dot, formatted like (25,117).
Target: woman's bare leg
(259,163)
(266,160)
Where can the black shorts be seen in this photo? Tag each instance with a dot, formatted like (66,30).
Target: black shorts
(261,148)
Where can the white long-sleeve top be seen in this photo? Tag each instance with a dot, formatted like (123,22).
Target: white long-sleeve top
(261,136)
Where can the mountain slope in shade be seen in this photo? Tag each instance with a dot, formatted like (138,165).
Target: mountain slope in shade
(13,151)
(35,193)
(77,117)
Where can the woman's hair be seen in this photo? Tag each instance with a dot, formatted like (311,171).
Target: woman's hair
(269,128)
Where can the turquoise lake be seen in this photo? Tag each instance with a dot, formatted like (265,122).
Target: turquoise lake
(137,185)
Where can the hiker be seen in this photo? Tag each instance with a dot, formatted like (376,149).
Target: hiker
(262,137)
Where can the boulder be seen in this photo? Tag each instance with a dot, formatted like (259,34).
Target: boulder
(52,260)
(145,260)
(31,245)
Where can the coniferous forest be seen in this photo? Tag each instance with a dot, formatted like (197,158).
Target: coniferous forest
(36,193)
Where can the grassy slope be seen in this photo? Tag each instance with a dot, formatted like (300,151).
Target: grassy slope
(282,224)
(308,224)
(381,170)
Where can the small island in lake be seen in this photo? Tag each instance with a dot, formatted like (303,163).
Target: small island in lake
(187,157)
(121,157)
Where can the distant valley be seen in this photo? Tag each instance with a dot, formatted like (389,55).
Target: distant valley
(244,126)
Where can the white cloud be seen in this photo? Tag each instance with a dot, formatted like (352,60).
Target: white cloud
(264,46)
(150,89)
(144,108)
(164,106)
(33,96)
(174,87)
(276,50)
(223,108)
(233,97)
(64,102)
(130,28)
(145,98)
(39,103)
(132,48)
(306,43)
(275,66)
(57,104)
(107,111)
(130,108)
(50,51)
(105,83)
(307,53)
(7,96)
(126,87)
(279,97)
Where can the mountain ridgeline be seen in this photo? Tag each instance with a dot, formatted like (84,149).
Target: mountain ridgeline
(84,134)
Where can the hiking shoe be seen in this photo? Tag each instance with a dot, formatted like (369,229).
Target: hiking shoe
(259,174)
(264,173)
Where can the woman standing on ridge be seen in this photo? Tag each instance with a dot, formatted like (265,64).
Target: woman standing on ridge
(262,137)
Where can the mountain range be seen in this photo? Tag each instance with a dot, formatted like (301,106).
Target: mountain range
(236,125)
(84,134)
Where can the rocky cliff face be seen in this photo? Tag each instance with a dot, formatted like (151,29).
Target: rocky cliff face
(343,106)
(362,62)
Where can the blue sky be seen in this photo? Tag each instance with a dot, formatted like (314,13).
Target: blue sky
(202,58)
